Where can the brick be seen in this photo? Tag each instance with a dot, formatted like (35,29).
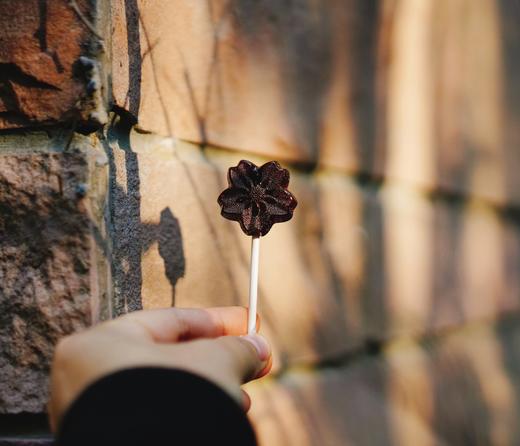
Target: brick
(52,271)
(49,63)
(465,385)
(349,220)
(407,264)
(422,92)
(346,406)
(461,388)
(453,125)
(275,79)
(444,264)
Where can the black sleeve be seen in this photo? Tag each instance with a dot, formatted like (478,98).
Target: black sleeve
(154,406)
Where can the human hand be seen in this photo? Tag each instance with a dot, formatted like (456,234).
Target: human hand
(206,342)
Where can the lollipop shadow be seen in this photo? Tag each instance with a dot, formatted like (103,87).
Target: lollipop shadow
(131,237)
(171,248)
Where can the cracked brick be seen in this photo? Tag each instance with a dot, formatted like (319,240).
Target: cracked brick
(42,79)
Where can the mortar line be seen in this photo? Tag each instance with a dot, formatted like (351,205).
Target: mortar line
(377,350)
(376,182)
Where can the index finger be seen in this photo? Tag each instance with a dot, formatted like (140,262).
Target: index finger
(181,324)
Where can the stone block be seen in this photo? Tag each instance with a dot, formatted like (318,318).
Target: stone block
(50,63)
(53,277)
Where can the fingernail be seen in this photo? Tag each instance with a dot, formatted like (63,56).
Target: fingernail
(260,344)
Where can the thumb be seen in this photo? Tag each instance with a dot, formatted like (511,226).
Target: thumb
(249,356)
(228,361)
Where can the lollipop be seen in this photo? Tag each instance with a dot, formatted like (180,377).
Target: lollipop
(257,197)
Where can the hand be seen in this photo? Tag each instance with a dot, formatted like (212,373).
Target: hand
(206,342)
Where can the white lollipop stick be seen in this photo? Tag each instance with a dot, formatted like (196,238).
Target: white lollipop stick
(253,285)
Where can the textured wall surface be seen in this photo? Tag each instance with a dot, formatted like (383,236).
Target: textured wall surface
(359,263)
(49,268)
(54,275)
(391,299)
(49,67)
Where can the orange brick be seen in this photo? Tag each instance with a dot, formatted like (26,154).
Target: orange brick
(50,65)
(423,92)
(344,406)
(460,388)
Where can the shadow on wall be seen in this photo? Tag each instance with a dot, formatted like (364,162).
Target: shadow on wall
(200,116)
(476,393)
(461,416)
(314,40)
(133,40)
(303,35)
(169,237)
(131,237)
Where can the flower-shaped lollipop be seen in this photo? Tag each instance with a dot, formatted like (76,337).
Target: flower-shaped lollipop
(257,197)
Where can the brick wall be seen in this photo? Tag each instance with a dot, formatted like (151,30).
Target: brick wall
(392,297)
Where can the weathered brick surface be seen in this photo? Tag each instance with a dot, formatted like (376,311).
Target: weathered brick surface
(443,264)
(343,406)
(424,92)
(50,268)
(49,70)
(463,389)
(357,262)
(466,386)
(267,77)
(452,102)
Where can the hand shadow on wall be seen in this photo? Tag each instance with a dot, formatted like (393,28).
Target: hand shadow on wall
(131,237)
(169,237)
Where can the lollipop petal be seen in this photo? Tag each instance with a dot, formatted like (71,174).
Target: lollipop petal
(273,175)
(243,176)
(234,200)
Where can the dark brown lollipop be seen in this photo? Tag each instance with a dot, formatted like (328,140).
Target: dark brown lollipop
(257,197)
